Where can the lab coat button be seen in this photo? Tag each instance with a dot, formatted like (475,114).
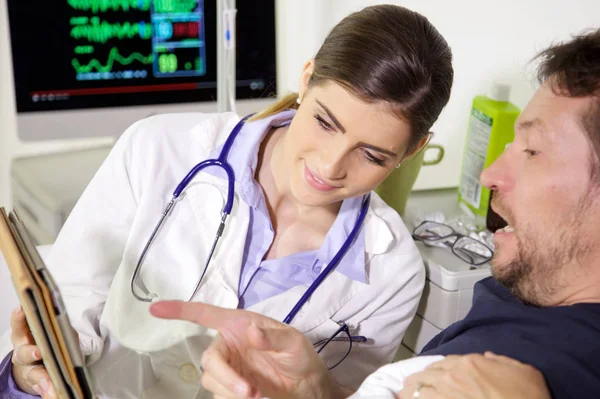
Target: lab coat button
(188,372)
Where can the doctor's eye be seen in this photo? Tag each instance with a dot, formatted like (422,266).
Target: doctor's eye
(324,124)
(373,159)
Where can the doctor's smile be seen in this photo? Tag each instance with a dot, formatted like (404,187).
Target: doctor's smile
(316,182)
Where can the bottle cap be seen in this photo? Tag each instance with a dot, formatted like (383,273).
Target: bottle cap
(499,92)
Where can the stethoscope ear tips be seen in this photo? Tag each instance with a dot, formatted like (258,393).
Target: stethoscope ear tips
(153,297)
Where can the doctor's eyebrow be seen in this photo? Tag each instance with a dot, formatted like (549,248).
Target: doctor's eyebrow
(331,116)
(375,148)
(362,144)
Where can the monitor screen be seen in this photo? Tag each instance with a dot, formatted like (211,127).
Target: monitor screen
(87,54)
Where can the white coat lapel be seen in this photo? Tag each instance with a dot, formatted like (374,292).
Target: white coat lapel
(328,299)
(335,291)
(206,196)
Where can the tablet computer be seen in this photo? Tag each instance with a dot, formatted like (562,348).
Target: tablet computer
(44,310)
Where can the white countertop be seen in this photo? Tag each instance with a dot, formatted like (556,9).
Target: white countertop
(443,267)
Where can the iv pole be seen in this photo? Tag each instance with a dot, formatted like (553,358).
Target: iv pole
(226,82)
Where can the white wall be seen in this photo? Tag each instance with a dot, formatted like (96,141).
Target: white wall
(301,27)
(491,40)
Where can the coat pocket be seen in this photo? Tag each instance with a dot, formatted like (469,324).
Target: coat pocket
(331,340)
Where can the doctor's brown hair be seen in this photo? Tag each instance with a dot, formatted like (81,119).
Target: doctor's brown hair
(389,54)
(573,69)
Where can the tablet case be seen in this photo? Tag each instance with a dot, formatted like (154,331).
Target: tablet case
(45,311)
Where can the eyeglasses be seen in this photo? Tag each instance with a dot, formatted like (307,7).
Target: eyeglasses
(466,248)
(339,345)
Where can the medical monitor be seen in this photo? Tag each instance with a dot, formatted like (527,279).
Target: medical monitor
(93,67)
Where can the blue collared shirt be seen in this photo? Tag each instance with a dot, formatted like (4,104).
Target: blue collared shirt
(8,387)
(261,279)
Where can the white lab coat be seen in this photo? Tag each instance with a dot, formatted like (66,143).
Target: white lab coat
(134,355)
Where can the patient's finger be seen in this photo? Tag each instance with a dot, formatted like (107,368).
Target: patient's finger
(26,354)
(20,333)
(425,392)
(427,380)
(503,359)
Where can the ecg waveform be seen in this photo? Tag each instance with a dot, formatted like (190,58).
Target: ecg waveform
(175,6)
(113,5)
(129,39)
(101,32)
(113,57)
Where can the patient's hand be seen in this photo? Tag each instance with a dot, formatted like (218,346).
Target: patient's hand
(476,376)
(28,372)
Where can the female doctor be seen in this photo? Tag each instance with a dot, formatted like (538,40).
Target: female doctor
(297,186)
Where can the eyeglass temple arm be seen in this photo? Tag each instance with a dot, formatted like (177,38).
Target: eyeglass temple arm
(354,338)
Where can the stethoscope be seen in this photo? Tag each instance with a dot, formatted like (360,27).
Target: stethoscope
(221,162)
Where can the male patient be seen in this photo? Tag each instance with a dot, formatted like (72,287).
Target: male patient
(542,306)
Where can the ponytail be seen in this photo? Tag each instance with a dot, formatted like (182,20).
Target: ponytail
(286,102)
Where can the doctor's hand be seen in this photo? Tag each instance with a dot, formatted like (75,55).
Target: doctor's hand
(28,372)
(254,356)
(487,376)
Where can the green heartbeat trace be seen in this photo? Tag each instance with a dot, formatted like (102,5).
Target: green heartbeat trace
(104,5)
(101,32)
(175,6)
(113,57)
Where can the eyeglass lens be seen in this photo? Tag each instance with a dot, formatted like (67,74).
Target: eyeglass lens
(472,251)
(336,348)
(433,231)
(466,248)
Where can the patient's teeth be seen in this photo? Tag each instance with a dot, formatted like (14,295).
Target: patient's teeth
(508,229)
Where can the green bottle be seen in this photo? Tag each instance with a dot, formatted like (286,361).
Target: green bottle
(491,130)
